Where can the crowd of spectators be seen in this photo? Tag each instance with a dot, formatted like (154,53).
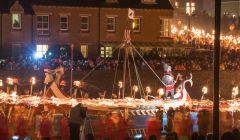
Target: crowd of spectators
(195,60)
(181,123)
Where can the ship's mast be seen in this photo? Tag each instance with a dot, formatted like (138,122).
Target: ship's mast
(127,41)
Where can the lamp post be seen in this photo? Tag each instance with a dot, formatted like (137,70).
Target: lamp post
(32,82)
(71,69)
(190,8)
(120,85)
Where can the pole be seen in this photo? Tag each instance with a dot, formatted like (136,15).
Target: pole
(189,30)
(216,70)
(71,70)
(31,89)
(124,70)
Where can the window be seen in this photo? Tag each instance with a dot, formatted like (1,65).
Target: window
(41,50)
(111,1)
(149,1)
(106,52)
(111,24)
(84,50)
(164,27)
(64,23)
(43,25)
(84,23)
(190,8)
(16,21)
(136,25)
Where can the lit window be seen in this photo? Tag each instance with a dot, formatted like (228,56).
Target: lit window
(84,50)
(148,1)
(43,25)
(63,23)
(106,52)
(190,8)
(41,50)
(102,52)
(164,27)
(111,24)
(84,23)
(16,21)
(136,25)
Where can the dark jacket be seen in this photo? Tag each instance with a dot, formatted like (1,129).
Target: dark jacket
(77,114)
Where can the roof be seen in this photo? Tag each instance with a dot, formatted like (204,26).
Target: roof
(5,5)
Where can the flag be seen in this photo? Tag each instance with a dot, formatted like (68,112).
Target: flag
(130,13)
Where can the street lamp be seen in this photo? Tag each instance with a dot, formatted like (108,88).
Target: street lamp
(190,8)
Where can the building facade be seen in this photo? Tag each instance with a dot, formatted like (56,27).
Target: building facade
(95,27)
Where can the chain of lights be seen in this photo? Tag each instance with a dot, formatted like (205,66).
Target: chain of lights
(99,104)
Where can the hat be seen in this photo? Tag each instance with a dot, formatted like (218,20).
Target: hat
(166,67)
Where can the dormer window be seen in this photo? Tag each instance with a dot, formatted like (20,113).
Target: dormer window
(16,21)
(111,1)
(149,1)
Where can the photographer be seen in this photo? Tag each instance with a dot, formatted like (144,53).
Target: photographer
(76,120)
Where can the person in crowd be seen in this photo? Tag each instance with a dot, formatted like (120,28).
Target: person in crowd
(187,123)
(170,116)
(45,126)
(4,133)
(194,136)
(65,132)
(203,121)
(116,127)
(227,136)
(76,120)
(154,126)
(178,123)
(236,134)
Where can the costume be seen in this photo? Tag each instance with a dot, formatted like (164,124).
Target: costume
(77,116)
(168,80)
(4,128)
(154,128)
(45,128)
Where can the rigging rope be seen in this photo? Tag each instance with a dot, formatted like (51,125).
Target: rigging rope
(148,65)
(116,69)
(90,72)
(137,75)
(130,79)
